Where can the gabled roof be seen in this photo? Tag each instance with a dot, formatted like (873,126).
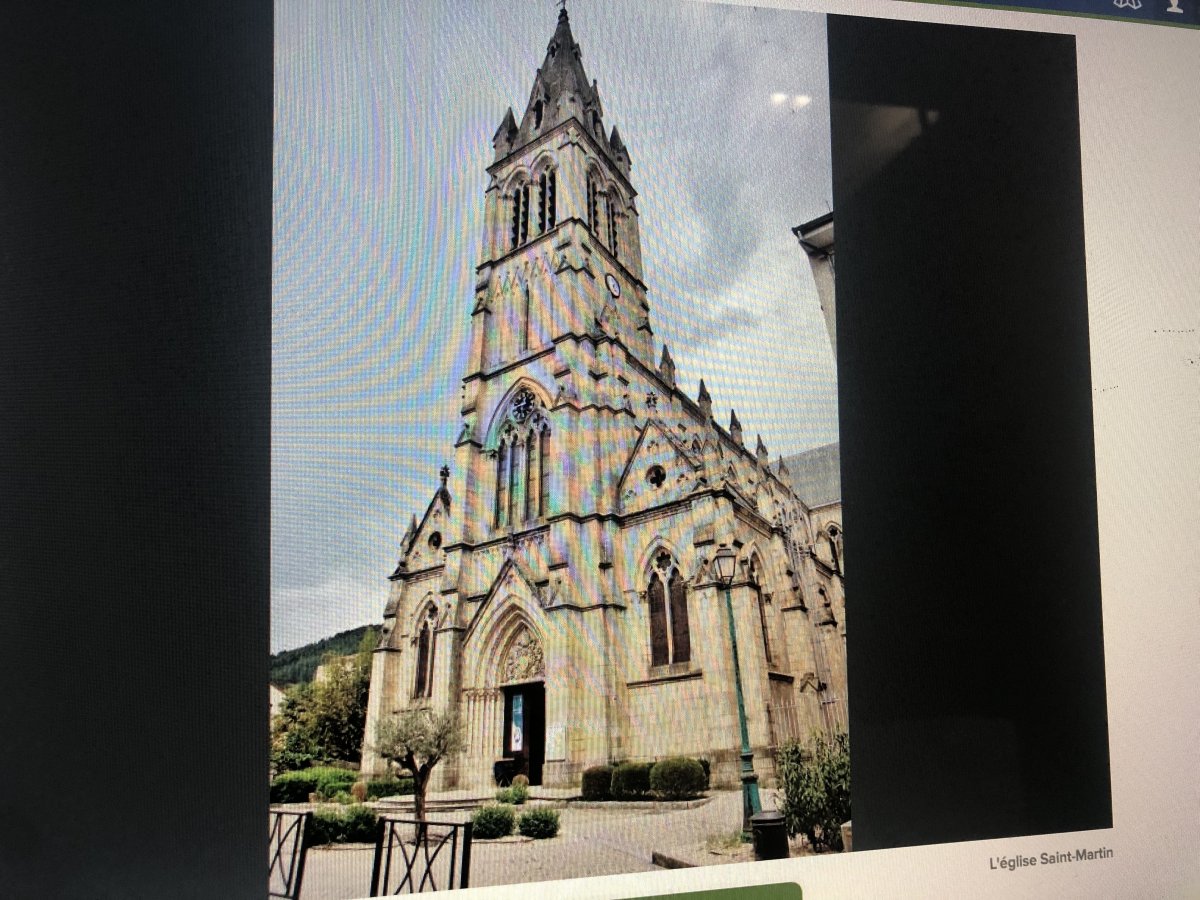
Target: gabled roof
(816,475)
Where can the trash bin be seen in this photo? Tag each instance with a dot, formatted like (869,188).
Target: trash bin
(770,835)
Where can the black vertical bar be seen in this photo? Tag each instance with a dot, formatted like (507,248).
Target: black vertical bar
(380,828)
(466,854)
(976,655)
(305,837)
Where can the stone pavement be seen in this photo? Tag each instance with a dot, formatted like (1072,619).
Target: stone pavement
(589,842)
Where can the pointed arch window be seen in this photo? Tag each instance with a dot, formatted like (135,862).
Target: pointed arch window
(543,471)
(593,196)
(547,201)
(530,471)
(610,215)
(519,232)
(670,634)
(522,465)
(514,480)
(423,686)
(756,584)
(501,483)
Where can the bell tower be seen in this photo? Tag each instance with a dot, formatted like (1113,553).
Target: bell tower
(561,251)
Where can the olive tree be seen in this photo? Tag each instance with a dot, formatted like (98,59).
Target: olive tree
(416,740)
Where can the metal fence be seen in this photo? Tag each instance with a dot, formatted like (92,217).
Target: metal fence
(288,844)
(412,857)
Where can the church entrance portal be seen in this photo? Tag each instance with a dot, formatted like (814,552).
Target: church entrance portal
(525,729)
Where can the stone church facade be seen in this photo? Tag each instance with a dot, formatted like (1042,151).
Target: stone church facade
(558,593)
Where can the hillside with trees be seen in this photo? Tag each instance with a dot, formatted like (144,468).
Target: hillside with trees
(298,666)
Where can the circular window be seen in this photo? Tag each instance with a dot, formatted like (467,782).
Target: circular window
(435,540)
(656,475)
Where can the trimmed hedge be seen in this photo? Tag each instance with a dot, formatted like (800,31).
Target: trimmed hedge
(493,821)
(631,781)
(354,825)
(294,787)
(516,794)
(388,787)
(597,783)
(707,767)
(538,823)
(677,778)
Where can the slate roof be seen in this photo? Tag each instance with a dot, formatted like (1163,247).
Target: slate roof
(816,475)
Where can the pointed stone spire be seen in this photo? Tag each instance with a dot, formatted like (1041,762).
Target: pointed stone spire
(761,451)
(735,428)
(620,151)
(409,535)
(783,469)
(562,89)
(705,402)
(666,367)
(503,138)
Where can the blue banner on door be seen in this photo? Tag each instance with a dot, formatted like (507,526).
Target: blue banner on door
(1162,12)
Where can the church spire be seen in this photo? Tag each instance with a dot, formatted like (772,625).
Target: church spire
(666,367)
(562,90)
(735,427)
(705,401)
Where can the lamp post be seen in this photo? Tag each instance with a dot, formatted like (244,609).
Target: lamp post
(725,563)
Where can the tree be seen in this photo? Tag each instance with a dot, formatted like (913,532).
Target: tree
(416,740)
(815,789)
(325,720)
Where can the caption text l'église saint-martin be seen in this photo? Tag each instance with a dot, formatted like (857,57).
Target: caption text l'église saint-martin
(1012,863)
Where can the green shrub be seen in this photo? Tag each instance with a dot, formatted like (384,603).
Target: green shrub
(353,825)
(493,821)
(677,778)
(538,823)
(597,783)
(294,787)
(388,787)
(342,797)
(520,781)
(707,767)
(631,780)
(814,787)
(331,782)
(517,794)
(359,791)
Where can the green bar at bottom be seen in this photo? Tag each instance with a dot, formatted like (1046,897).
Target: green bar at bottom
(783,891)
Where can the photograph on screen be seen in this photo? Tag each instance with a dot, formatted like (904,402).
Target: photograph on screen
(557,556)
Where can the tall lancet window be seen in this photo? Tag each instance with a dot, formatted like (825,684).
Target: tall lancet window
(593,192)
(670,635)
(514,481)
(520,215)
(530,473)
(423,685)
(610,213)
(681,637)
(501,484)
(543,471)
(525,324)
(547,201)
(756,584)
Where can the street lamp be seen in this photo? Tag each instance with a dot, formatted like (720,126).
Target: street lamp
(725,562)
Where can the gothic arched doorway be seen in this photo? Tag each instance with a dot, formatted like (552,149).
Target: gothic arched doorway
(522,674)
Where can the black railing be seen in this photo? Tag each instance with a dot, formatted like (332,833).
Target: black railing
(288,845)
(412,857)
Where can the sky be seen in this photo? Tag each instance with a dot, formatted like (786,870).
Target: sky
(384,114)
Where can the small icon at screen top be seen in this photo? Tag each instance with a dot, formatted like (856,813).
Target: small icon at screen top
(1173,7)
(1127,4)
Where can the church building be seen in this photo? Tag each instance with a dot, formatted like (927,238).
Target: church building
(558,593)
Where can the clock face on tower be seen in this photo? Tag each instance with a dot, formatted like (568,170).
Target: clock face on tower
(614,287)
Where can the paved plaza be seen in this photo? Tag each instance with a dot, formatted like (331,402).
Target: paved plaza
(589,842)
